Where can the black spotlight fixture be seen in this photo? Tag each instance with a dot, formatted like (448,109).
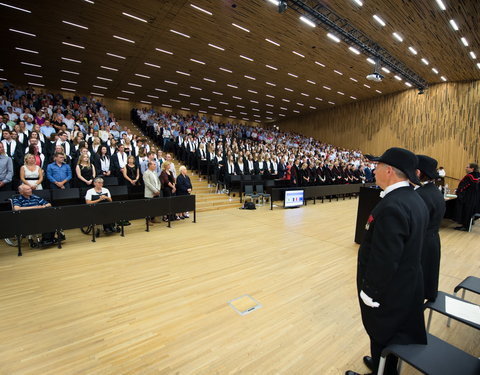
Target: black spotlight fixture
(421,91)
(282,6)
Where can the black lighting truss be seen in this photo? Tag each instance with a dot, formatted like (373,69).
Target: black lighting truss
(322,15)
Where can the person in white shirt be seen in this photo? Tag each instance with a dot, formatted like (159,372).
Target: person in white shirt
(99,194)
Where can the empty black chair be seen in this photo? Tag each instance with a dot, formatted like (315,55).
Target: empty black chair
(119,193)
(45,194)
(64,197)
(5,204)
(110,181)
(249,192)
(261,193)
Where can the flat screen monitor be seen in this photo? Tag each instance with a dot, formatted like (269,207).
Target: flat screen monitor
(293,198)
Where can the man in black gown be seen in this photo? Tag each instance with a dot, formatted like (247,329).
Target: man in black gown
(389,273)
(468,197)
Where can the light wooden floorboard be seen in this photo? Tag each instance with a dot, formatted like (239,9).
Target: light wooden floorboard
(156,303)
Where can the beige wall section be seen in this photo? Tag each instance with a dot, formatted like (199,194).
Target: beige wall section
(443,123)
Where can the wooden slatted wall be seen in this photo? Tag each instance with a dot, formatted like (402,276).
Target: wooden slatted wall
(443,123)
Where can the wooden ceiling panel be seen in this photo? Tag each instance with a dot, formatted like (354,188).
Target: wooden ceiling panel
(420,22)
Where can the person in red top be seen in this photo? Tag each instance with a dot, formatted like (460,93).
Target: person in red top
(468,197)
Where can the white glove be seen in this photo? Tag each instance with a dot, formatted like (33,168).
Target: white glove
(367,300)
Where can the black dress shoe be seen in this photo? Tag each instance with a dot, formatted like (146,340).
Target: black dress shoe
(463,229)
(368,362)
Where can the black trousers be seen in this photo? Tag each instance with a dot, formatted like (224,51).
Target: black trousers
(391,362)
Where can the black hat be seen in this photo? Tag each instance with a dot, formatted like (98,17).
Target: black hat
(401,159)
(428,166)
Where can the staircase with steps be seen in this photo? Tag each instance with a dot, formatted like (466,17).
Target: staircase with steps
(205,196)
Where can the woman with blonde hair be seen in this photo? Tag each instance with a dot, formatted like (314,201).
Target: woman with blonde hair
(85,171)
(30,173)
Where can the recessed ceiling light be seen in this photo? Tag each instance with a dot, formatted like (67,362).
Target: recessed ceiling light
(472,55)
(108,68)
(152,65)
(166,105)
(182,94)
(124,39)
(435,70)
(237,97)
(232,86)
(412,50)
(301,104)
(212,107)
(319,63)
(304,94)
(271,84)
(196,88)
(22,32)
(209,80)
(67,89)
(354,50)
(464,41)
(170,82)
(298,54)
(179,33)
(333,37)
(228,110)
(307,21)
(288,89)
(338,72)
(354,98)
(250,77)
(311,82)
(269,105)
(454,25)
(320,99)
(175,100)
(215,46)
(367,86)
(67,81)
(182,73)
(89,1)
(441,5)
(32,75)
(398,37)
(271,41)
(70,72)
(281,114)
(26,50)
(326,88)
(134,17)
(353,79)
(16,8)
(73,45)
(117,56)
(217,93)
(122,98)
(197,61)
(312,107)
(226,70)
(240,27)
(30,64)
(204,111)
(296,111)
(96,93)
(201,9)
(255,109)
(408,84)
(76,25)
(478,65)
(371,61)
(36,84)
(284,109)
(195,104)
(205,99)
(398,78)
(358,2)
(271,67)
(161,90)
(425,61)
(162,50)
(378,91)
(443,78)
(185,108)
(246,58)
(105,79)
(145,101)
(286,100)
(385,69)
(379,20)
(253,91)
(98,87)
(292,75)
(72,60)
(332,103)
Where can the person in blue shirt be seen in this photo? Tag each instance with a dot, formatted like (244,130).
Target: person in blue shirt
(58,173)
(47,129)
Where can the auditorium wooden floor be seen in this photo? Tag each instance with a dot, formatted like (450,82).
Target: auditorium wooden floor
(156,303)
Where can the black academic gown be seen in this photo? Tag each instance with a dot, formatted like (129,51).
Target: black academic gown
(468,198)
(435,203)
(389,269)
